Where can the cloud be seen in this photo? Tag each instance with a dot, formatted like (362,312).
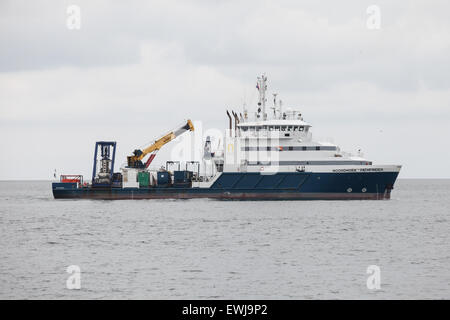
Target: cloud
(317,43)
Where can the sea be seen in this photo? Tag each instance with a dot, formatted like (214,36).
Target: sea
(211,249)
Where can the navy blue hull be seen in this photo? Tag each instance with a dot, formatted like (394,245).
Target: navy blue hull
(255,186)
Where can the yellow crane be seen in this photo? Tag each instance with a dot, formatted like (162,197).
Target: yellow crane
(135,161)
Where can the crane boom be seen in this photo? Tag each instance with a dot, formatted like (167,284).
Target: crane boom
(135,161)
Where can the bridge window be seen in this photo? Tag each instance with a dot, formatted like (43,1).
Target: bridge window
(301,128)
(317,148)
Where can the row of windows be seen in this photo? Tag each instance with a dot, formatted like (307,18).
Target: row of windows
(312,162)
(275,128)
(317,148)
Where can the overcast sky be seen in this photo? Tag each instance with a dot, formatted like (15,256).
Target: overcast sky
(135,69)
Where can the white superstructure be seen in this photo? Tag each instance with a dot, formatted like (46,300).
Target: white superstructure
(280,140)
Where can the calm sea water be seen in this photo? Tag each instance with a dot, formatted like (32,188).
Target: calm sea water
(195,249)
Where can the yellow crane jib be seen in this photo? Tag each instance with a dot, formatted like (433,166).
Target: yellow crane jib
(135,161)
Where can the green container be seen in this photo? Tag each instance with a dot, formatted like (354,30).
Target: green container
(144,179)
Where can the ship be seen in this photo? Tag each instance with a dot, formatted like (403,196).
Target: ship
(268,154)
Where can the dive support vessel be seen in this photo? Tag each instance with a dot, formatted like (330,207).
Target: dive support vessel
(262,156)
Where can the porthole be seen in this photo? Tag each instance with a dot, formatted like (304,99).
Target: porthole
(364,190)
(349,190)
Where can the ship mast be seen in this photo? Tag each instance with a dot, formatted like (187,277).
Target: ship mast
(262,87)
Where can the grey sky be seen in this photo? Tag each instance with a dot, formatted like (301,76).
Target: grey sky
(137,68)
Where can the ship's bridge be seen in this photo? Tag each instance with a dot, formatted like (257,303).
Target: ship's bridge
(279,138)
(285,128)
